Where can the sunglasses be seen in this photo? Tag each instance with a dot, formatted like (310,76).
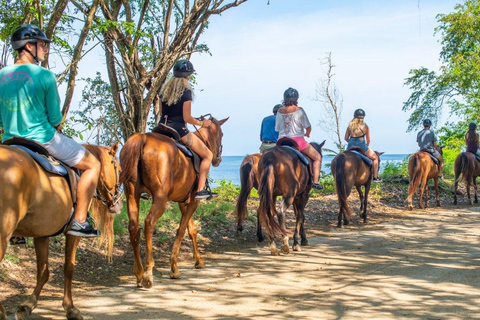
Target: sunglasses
(43,45)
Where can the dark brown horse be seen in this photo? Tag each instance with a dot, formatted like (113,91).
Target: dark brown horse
(248,180)
(422,168)
(467,169)
(283,174)
(153,163)
(37,204)
(350,170)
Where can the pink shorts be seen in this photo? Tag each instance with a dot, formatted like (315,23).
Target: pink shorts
(302,143)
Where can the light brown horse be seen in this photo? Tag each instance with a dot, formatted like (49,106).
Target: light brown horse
(467,169)
(37,204)
(153,163)
(283,174)
(248,180)
(350,170)
(421,168)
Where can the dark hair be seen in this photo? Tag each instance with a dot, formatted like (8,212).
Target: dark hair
(471,135)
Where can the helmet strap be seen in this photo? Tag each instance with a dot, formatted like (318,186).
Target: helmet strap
(33,55)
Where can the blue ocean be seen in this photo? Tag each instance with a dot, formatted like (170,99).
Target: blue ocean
(229,168)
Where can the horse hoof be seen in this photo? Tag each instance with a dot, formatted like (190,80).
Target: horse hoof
(147,281)
(260,238)
(439,205)
(274,252)
(304,242)
(410,207)
(346,222)
(339,225)
(200,265)
(174,274)
(476,201)
(365,221)
(74,314)
(297,248)
(471,202)
(285,249)
(455,202)
(23,312)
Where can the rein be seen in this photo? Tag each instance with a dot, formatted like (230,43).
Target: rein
(204,140)
(117,196)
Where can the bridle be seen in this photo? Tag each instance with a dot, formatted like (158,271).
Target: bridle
(117,195)
(204,140)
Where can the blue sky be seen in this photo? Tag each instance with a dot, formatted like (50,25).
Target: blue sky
(259,50)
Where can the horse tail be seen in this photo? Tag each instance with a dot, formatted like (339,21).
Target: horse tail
(463,169)
(266,209)
(341,184)
(130,155)
(415,173)
(247,176)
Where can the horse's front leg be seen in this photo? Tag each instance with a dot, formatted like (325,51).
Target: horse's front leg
(422,188)
(71,245)
(41,251)
(365,201)
(455,190)
(156,211)
(192,233)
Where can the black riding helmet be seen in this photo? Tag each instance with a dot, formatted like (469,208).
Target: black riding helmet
(183,69)
(275,109)
(359,114)
(290,95)
(472,126)
(25,34)
(427,123)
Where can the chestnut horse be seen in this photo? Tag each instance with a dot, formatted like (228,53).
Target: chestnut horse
(467,168)
(422,168)
(248,180)
(283,174)
(153,163)
(37,204)
(349,170)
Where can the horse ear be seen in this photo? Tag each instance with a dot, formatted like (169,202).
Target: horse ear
(321,144)
(379,153)
(114,148)
(220,122)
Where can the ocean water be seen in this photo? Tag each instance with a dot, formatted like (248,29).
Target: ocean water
(229,168)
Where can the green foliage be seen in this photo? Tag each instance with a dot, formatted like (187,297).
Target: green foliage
(226,190)
(394,170)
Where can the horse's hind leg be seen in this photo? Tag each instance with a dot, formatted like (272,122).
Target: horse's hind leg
(133,203)
(365,201)
(437,196)
(475,188)
(298,207)
(41,250)
(69,269)
(192,233)
(287,202)
(360,195)
(260,236)
(187,212)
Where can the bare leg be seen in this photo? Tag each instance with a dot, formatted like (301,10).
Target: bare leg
(199,147)
(317,161)
(86,185)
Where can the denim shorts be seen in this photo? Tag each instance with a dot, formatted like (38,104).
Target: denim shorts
(356,142)
(65,149)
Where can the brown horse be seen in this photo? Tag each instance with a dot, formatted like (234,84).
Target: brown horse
(153,163)
(283,174)
(467,168)
(248,180)
(37,204)
(421,168)
(350,170)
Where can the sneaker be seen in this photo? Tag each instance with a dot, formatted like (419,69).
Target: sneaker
(317,186)
(84,229)
(205,194)
(377,180)
(18,240)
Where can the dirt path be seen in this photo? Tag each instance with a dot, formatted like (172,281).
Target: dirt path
(425,266)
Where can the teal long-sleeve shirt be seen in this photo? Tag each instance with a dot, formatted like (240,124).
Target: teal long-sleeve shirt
(29,102)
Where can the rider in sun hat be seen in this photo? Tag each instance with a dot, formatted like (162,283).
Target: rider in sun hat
(30,108)
(176,98)
(358,135)
(292,122)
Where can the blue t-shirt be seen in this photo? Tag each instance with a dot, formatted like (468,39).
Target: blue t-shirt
(29,102)
(267,132)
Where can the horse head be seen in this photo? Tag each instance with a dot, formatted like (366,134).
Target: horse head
(212,137)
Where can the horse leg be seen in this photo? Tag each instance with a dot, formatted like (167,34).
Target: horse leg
(133,203)
(3,249)
(365,201)
(437,197)
(426,194)
(260,236)
(360,195)
(71,245)
(421,190)
(469,199)
(455,188)
(41,251)
(475,188)
(156,211)
(187,212)
(192,233)
(340,218)
(286,203)
(298,207)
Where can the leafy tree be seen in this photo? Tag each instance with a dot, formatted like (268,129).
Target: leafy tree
(456,84)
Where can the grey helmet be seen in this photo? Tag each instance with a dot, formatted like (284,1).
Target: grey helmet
(290,95)
(275,109)
(359,114)
(25,34)
(183,69)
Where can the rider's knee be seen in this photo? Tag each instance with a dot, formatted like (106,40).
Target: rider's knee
(208,155)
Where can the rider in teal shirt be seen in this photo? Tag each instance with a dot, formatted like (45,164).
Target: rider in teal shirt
(38,112)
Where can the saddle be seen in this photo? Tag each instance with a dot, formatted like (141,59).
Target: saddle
(359,151)
(434,159)
(172,133)
(476,156)
(49,164)
(292,145)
